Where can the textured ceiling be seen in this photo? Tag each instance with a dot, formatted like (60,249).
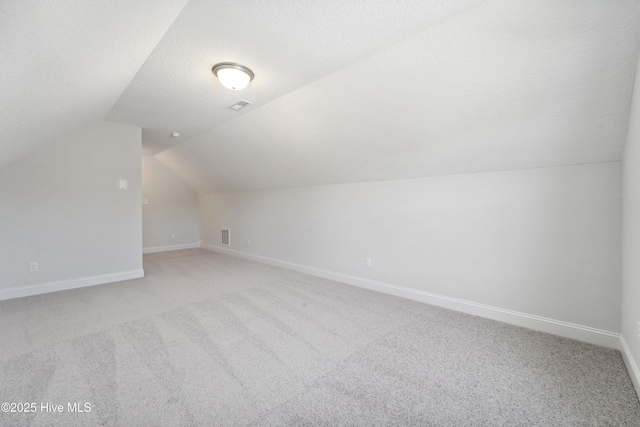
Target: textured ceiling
(345,91)
(64,63)
(287,44)
(504,85)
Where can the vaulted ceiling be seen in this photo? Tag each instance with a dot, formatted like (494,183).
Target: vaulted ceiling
(345,91)
(65,63)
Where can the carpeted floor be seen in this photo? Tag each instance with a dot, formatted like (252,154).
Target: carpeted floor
(210,340)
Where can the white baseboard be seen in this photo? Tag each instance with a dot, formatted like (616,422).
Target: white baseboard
(632,366)
(155,249)
(43,288)
(538,323)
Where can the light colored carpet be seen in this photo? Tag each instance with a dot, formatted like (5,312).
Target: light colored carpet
(208,339)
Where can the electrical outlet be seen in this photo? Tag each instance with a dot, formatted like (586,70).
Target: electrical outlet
(247,242)
(173,237)
(367,262)
(34,267)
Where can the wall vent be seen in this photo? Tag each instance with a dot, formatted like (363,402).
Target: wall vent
(226,237)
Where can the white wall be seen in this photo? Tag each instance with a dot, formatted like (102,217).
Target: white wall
(61,207)
(631,240)
(172,208)
(545,242)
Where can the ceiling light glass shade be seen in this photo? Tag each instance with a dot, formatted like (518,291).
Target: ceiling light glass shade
(233,76)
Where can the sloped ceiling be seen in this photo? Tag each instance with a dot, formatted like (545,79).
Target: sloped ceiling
(504,85)
(288,44)
(349,91)
(65,63)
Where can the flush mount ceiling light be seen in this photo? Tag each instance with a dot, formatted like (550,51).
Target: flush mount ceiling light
(233,76)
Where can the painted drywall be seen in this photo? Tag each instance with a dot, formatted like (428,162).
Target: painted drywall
(631,239)
(172,208)
(541,241)
(287,45)
(505,85)
(61,207)
(66,63)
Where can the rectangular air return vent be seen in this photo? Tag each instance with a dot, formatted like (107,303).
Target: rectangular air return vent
(239,105)
(226,237)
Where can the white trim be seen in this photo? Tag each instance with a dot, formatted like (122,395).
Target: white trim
(44,288)
(538,323)
(632,367)
(155,249)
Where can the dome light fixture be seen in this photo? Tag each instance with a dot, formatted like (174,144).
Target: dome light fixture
(233,76)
